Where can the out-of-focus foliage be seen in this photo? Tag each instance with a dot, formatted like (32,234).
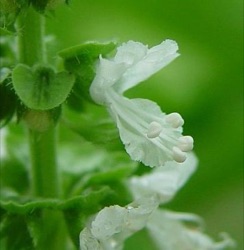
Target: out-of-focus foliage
(92,179)
(204,84)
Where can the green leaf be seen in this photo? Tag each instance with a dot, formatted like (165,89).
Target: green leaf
(26,219)
(41,88)
(87,203)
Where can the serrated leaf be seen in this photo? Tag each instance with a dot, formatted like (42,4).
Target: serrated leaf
(41,88)
(30,214)
(86,203)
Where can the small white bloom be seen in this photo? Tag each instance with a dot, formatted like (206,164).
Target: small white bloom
(164,181)
(169,232)
(114,224)
(149,135)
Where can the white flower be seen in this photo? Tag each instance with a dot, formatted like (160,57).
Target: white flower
(149,135)
(169,231)
(114,224)
(164,181)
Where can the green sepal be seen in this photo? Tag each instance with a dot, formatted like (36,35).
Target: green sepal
(40,88)
(94,126)
(80,60)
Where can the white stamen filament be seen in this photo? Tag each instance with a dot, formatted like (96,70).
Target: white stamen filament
(165,138)
(136,122)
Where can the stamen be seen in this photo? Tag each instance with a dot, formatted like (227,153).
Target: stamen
(174,119)
(185,143)
(154,130)
(178,155)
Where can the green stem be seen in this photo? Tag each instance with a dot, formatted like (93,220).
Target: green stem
(44,174)
(45,178)
(31,28)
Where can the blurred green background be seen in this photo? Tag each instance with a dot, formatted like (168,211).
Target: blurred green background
(205,85)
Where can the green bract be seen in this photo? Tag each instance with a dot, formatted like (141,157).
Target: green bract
(40,88)
(87,50)
(80,60)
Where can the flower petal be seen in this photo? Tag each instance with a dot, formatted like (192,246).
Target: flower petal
(88,241)
(164,181)
(114,224)
(108,72)
(147,135)
(155,59)
(130,53)
(169,233)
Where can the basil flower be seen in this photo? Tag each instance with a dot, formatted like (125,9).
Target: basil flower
(149,135)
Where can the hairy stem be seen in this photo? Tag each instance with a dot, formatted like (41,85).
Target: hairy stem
(45,178)
(31,29)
